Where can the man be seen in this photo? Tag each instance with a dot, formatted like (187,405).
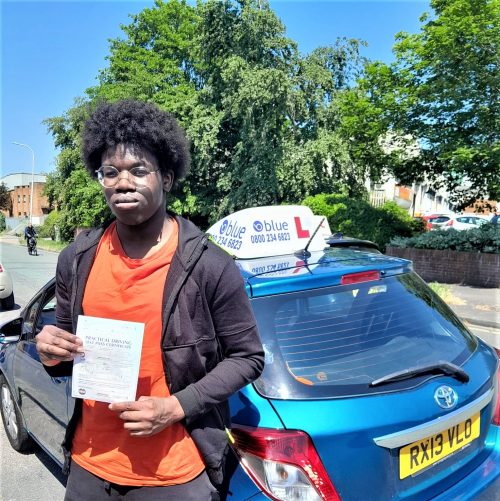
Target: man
(30,237)
(200,340)
(29,232)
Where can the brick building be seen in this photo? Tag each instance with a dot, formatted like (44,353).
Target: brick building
(19,186)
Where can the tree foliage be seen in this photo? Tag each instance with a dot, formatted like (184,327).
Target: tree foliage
(5,200)
(355,217)
(440,93)
(262,119)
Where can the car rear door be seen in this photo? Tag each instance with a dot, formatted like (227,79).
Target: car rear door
(387,448)
(341,370)
(44,399)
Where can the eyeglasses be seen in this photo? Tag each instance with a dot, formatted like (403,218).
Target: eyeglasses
(108,175)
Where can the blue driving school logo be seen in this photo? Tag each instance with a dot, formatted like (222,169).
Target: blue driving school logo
(258,226)
(223,227)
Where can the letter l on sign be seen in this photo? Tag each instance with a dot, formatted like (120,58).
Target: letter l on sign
(301,233)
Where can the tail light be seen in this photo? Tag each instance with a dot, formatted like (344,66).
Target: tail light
(1,268)
(450,223)
(283,463)
(496,413)
(363,276)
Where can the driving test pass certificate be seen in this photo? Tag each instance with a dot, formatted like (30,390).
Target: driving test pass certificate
(108,370)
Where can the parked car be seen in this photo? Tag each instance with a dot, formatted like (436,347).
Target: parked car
(465,222)
(438,219)
(6,289)
(372,389)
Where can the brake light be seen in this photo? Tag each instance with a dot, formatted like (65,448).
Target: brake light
(283,463)
(450,223)
(1,268)
(362,276)
(496,413)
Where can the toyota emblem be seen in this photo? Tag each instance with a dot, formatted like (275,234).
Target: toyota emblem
(446,397)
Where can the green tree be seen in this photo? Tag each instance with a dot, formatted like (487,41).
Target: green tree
(5,200)
(355,217)
(440,93)
(261,118)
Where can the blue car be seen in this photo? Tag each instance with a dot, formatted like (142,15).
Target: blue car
(372,389)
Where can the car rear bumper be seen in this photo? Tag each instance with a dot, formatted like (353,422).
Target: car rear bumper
(5,291)
(481,484)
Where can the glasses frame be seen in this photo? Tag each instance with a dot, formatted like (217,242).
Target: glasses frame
(130,176)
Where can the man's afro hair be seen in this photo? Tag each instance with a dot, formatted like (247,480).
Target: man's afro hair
(140,124)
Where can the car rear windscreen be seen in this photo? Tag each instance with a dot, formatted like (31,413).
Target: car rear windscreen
(335,341)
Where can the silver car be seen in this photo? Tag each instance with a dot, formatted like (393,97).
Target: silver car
(6,289)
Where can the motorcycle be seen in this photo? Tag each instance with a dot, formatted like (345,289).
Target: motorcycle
(32,251)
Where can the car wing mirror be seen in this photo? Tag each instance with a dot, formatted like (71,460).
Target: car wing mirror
(11,331)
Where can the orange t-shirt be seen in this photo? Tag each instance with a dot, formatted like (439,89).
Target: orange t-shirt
(122,288)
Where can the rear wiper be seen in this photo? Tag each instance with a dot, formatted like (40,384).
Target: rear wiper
(445,368)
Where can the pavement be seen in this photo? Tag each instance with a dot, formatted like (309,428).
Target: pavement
(476,305)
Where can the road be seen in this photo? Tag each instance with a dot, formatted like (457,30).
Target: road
(29,273)
(30,477)
(35,477)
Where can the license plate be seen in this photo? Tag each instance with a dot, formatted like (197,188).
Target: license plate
(424,453)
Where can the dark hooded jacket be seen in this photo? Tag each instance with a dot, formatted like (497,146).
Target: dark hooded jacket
(210,343)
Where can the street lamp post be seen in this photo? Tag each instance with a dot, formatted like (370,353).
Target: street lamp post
(32,176)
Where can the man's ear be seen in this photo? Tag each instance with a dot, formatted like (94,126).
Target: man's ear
(168,181)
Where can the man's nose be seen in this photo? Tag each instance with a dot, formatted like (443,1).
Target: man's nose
(127,177)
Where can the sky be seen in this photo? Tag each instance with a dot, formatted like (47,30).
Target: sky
(51,52)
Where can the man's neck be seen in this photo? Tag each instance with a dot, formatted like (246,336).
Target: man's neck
(141,241)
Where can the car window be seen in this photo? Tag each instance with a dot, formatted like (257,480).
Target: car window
(333,342)
(477,220)
(48,313)
(31,317)
(441,219)
(463,220)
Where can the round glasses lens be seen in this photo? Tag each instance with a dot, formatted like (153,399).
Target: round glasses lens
(108,175)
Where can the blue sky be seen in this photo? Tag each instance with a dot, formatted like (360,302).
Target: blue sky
(52,51)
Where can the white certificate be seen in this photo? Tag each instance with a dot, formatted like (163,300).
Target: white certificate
(108,370)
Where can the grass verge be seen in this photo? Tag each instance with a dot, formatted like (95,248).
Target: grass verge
(49,245)
(444,292)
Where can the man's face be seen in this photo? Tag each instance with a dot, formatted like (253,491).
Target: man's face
(134,201)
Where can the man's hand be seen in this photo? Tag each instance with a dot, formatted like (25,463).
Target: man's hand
(55,345)
(148,415)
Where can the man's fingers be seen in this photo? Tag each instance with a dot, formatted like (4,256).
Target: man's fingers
(123,406)
(54,351)
(141,428)
(53,343)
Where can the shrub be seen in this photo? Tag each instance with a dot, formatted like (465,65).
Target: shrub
(3,226)
(355,217)
(486,239)
(48,228)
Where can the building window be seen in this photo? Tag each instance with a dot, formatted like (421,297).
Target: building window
(25,213)
(19,200)
(24,198)
(18,213)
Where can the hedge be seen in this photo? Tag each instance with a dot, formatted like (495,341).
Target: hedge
(356,218)
(486,239)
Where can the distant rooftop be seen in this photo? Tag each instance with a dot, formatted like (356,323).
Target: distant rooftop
(21,179)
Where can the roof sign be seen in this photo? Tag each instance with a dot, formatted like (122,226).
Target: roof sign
(270,231)
(276,266)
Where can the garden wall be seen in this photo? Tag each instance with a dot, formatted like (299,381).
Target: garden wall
(452,267)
